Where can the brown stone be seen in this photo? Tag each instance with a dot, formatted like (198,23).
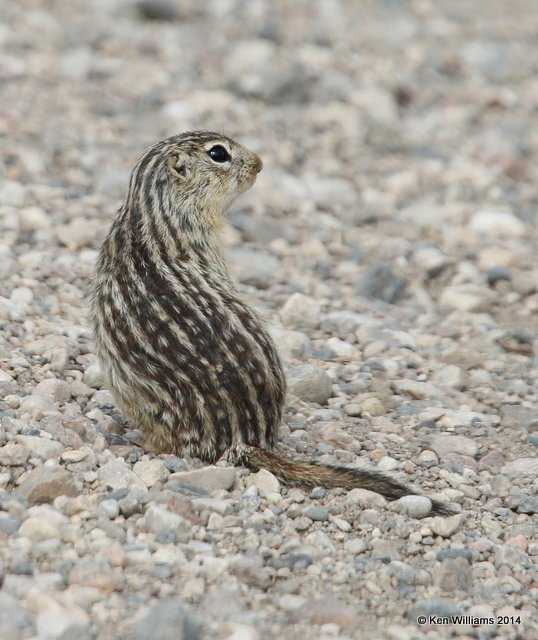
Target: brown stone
(43,484)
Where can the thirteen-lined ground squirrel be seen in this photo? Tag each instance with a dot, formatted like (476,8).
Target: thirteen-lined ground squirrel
(187,360)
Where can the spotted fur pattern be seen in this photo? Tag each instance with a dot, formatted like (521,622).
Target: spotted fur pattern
(186,359)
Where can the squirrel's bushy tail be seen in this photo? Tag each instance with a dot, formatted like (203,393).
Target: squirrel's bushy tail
(311,474)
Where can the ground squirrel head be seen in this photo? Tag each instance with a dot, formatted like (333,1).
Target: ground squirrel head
(192,179)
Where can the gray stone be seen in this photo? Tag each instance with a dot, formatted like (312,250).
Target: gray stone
(310,384)
(12,193)
(157,519)
(379,281)
(428,459)
(435,607)
(521,467)
(291,344)
(210,478)
(453,574)
(252,267)
(454,553)
(511,555)
(344,323)
(9,525)
(169,619)
(318,514)
(222,507)
(519,417)
(36,406)
(404,573)
(326,611)
(443,445)
(355,546)
(43,484)
(14,620)
(528,505)
(165,10)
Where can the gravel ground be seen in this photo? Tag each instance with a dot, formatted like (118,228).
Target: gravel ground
(391,242)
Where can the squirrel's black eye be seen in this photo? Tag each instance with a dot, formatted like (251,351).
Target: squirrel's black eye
(219,154)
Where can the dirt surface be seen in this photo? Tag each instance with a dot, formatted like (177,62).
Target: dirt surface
(391,243)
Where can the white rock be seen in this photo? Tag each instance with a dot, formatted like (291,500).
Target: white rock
(454,444)
(215,522)
(63,624)
(13,455)
(497,224)
(300,311)
(34,219)
(41,447)
(413,506)
(109,508)
(54,390)
(5,376)
(445,527)
(365,498)
(377,103)
(237,631)
(80,232)
(157,518)
(449,376)
(291,344)
(265,481)
(151,471)
(428,459)
(11,193)
(117,475)
(467,297)
(388,464)
(342,349)
(355,546)
(431,259)
(93,376)
(415,389)
(210,478)
(39,529)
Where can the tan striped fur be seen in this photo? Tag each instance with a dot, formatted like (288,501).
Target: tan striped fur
(186,359)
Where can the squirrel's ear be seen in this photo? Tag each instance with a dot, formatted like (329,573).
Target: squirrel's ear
(178,166)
